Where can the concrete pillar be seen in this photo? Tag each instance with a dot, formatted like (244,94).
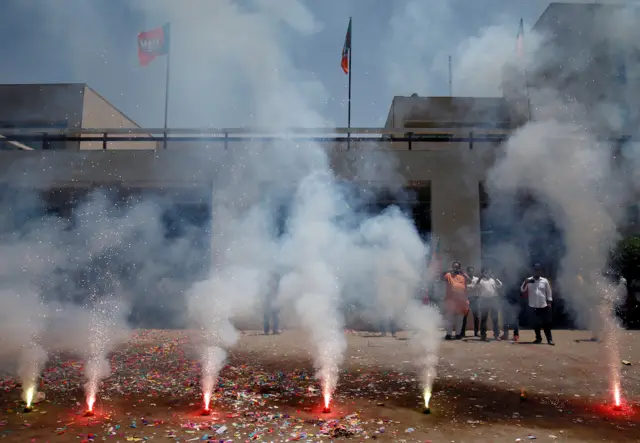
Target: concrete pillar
(455,209)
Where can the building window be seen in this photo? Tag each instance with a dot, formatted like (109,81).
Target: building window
(414,201)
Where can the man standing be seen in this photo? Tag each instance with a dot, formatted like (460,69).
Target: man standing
(538,291)
(456,304)
(472,294)
(489,303)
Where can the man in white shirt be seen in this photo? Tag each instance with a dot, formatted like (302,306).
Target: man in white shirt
(489,302)
(538,291)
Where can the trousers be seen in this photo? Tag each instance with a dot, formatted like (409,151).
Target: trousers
(475,312)
(542,322)
(489,306)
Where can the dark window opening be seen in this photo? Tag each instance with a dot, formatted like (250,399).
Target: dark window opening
(518,230)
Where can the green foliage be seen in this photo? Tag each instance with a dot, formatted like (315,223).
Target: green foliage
(626,258)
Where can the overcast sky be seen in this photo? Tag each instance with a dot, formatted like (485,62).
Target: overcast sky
(399,47)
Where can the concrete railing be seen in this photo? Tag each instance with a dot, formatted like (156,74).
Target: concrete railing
(107,138)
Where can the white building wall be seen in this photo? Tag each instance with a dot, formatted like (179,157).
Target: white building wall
(99,113)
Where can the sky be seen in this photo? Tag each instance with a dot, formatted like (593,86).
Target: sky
(399,47)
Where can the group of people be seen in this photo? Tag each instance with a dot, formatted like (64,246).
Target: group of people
(479,295)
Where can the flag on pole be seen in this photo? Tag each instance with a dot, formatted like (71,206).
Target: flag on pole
(346,50)
(152,44)
(520,40)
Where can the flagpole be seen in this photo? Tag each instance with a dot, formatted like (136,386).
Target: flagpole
(450,79)
(166,93)
(350,69)
(526,85)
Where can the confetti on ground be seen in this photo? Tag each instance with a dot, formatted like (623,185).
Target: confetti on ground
(154,393)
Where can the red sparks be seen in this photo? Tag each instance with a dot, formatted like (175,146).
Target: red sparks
(91,399)
(327,397)
(617,396)
(327,402)
(206,397)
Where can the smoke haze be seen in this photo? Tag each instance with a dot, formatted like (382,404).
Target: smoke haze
(577,181)
(284,229)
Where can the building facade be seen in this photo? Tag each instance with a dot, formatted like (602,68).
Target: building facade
(55,107)
(442,147)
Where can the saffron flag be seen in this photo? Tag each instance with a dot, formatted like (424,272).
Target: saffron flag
(520,40)
(346,50)
(152,44)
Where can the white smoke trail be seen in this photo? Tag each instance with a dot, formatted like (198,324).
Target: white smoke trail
(102,331)
(31,363)
(425,321)
(210,308)
(213,360)
(237,280)
(399,259)
(610,295)
(309,256)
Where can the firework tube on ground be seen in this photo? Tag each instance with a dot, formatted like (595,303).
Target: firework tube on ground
(427,398)
(206,400)
(327,402)
(29,393)
(91,400)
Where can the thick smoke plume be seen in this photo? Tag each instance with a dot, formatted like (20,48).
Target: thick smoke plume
(283,224)
(311,256)
(68,284)
(560,157)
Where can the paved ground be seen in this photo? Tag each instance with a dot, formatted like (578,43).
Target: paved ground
(267,393)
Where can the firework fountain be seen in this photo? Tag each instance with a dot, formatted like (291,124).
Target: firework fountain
(610,295)
(211,304)
(213,359)
(317,309)
(103,322)
(425,322)
(32,357)
(31,364)
(312,282)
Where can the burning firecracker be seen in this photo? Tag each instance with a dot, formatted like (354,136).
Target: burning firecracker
(523,395)
(426,395)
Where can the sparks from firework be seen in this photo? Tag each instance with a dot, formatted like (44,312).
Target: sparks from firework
(327,396)
(328,380)
(327,401)
(213,359)
(429,378)
(426,395)
(611,341)
(32,361)
(91,400)
(97,366)
(28,395)
(617,397)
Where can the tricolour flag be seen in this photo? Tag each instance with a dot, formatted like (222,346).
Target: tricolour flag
(152,44)
(346,50)
(520,39)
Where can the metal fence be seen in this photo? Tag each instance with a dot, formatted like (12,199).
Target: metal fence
(48,138)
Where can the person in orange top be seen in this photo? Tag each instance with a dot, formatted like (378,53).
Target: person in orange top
(456,302)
